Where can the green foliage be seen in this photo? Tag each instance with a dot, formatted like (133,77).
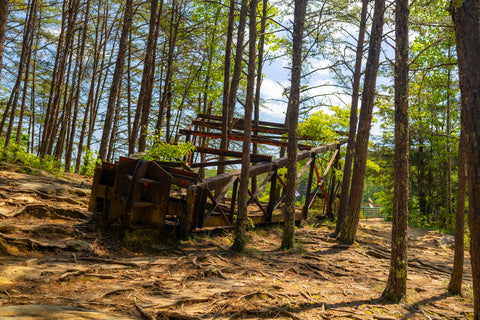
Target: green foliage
(90,161)
(434,120)
(325,126)
(30,163)
(162,151)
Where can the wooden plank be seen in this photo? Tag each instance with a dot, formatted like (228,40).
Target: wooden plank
(239,137)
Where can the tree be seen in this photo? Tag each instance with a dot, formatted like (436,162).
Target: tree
(292,126)
(4,4)
(455,284)
(465,15)
(226,83)
(347,170)
(397,279)
(349,228)
(145,95)
(241,223)
(117,78)
(65,44)
(228,105)
(24,63)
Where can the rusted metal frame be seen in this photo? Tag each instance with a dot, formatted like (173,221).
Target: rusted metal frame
(325,194)
(281,181)
(220,210)
(258,203)
(199,207)
(332,160)
(262,123)
(260,187)
(193,176)
(308,196)
(233,154)
(304,167)
(220,180)
(216,201)
(320,179)
(314,194)
(239,137)
(234,198)
(189,127)
(331,190)
(280,200)
(273,195)
(215,163)
(240,126)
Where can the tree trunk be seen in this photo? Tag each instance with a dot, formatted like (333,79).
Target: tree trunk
(397,279)
(240,240)
(455,284)
(347,170)
(28,58)
(117,79)
(349,228)
(165,102)
(24,60)
(258,83)
(145,95)
(466,15)
(3,28)
(292,116)
(226,83)
(53,109)
(98,54)
(76,98)
(64,121)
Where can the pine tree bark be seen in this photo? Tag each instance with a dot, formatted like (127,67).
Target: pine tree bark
(349,228)
(117,79)
(4,4)
(76,98)
(226,83)
(145,96)
(94,80)
(32,20)
(240,240)
(396,287)
(24,62)
(165,102)
(292,116)
(347,170)
(455,284)
(258,83)
(58,78)
(466,17)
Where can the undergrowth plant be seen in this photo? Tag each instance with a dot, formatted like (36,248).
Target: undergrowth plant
(163,151)
(18,154)
(90,161)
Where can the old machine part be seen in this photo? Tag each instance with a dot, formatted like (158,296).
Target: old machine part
(136,193)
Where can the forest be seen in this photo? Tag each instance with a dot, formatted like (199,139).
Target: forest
(85,82)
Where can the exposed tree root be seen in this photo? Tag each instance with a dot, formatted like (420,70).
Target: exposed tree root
(28,243)
(111,261)
(44,211)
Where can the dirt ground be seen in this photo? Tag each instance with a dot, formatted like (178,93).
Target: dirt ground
(56,264)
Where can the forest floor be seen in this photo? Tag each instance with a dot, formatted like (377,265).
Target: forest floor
(56,264)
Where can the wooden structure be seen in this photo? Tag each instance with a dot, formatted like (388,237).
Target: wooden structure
(139,193)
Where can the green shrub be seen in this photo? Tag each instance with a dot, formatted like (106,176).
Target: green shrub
(165,151)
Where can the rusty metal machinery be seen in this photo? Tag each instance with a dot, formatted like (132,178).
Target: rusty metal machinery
(137,193)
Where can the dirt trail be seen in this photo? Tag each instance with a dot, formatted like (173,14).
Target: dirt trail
(55,264)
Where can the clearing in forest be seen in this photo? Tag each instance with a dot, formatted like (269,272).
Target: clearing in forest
(56,264)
